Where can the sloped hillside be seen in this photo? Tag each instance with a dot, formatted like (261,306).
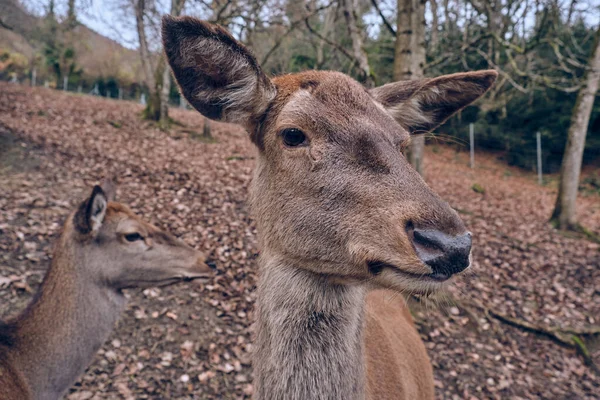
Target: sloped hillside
(17,28)
(97,55)
(101,56)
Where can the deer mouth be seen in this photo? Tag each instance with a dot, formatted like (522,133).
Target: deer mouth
(196,277)
(376,267)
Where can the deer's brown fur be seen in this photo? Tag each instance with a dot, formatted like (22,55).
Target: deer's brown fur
(336,214)
(45,348)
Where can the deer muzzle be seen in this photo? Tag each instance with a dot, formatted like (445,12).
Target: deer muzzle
(445,254)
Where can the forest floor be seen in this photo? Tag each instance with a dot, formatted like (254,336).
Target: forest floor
(194,341)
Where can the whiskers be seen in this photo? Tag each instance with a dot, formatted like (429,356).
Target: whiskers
(441,138)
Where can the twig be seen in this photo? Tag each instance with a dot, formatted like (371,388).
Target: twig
(292,27)
(331,43)
(385,21)
(566,337)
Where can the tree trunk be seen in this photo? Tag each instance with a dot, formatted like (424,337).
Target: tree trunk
(349,9)
(403,50)
(565,209)
(571,11)
(153,108)
(206,129)
(418,44)
(409,59)
(71,14)
(417,147)
(165,87)
(446,17)
(140,6)
(434,26)
(164,94)
(328,24)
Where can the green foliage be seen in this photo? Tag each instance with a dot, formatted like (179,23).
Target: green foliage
(57,47)
(12,63)
(548,112)
(508,120)
(510,125)
(477,188)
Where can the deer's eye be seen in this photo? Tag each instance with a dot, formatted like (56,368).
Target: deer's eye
(293,137)
(132,237)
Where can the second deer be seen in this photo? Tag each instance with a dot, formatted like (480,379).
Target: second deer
(104,248)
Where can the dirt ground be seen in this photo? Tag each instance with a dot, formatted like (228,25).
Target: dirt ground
(194,341)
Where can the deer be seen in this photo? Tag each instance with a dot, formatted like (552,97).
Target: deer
(103,249)
(346,226)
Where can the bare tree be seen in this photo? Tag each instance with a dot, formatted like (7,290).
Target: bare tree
(328,24)
(176,9)
(403,49)
(349,10)
(156,74)
(71,20)
(565,209)
(409,59)
(152,110)
(434,25)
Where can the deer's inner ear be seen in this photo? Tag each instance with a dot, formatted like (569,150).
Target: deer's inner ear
(90,214)
(217,74)
(423,105)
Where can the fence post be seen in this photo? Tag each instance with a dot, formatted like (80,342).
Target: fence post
(472,141)
(539,157)
(46,84)
(66,83)
(79,88)
(143,99)
(120,94)
(33,77)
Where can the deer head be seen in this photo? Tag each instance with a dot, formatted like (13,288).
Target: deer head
(123,251)
(332,191)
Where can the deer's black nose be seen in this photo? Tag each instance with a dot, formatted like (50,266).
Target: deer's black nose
(445,254)
(211,264)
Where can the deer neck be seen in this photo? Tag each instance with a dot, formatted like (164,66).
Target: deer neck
(59,333)
(309,336)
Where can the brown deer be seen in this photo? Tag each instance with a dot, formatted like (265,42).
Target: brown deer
(104,248)
(345,224)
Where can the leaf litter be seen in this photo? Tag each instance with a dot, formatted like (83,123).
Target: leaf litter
(194,340)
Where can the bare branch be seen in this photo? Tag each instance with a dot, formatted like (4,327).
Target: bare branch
(292,27)
(331,43)
(384,19)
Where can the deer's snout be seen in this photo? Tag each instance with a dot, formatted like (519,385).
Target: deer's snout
(199,267)
(445,254)
(211,264)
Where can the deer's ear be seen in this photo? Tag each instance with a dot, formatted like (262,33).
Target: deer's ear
(109,187)
(423,105)
(90,214)
(217,75)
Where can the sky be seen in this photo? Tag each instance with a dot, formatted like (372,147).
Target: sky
(104,17)
(109,19)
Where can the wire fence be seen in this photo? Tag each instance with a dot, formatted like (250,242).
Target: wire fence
(108,88)
(524,152)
